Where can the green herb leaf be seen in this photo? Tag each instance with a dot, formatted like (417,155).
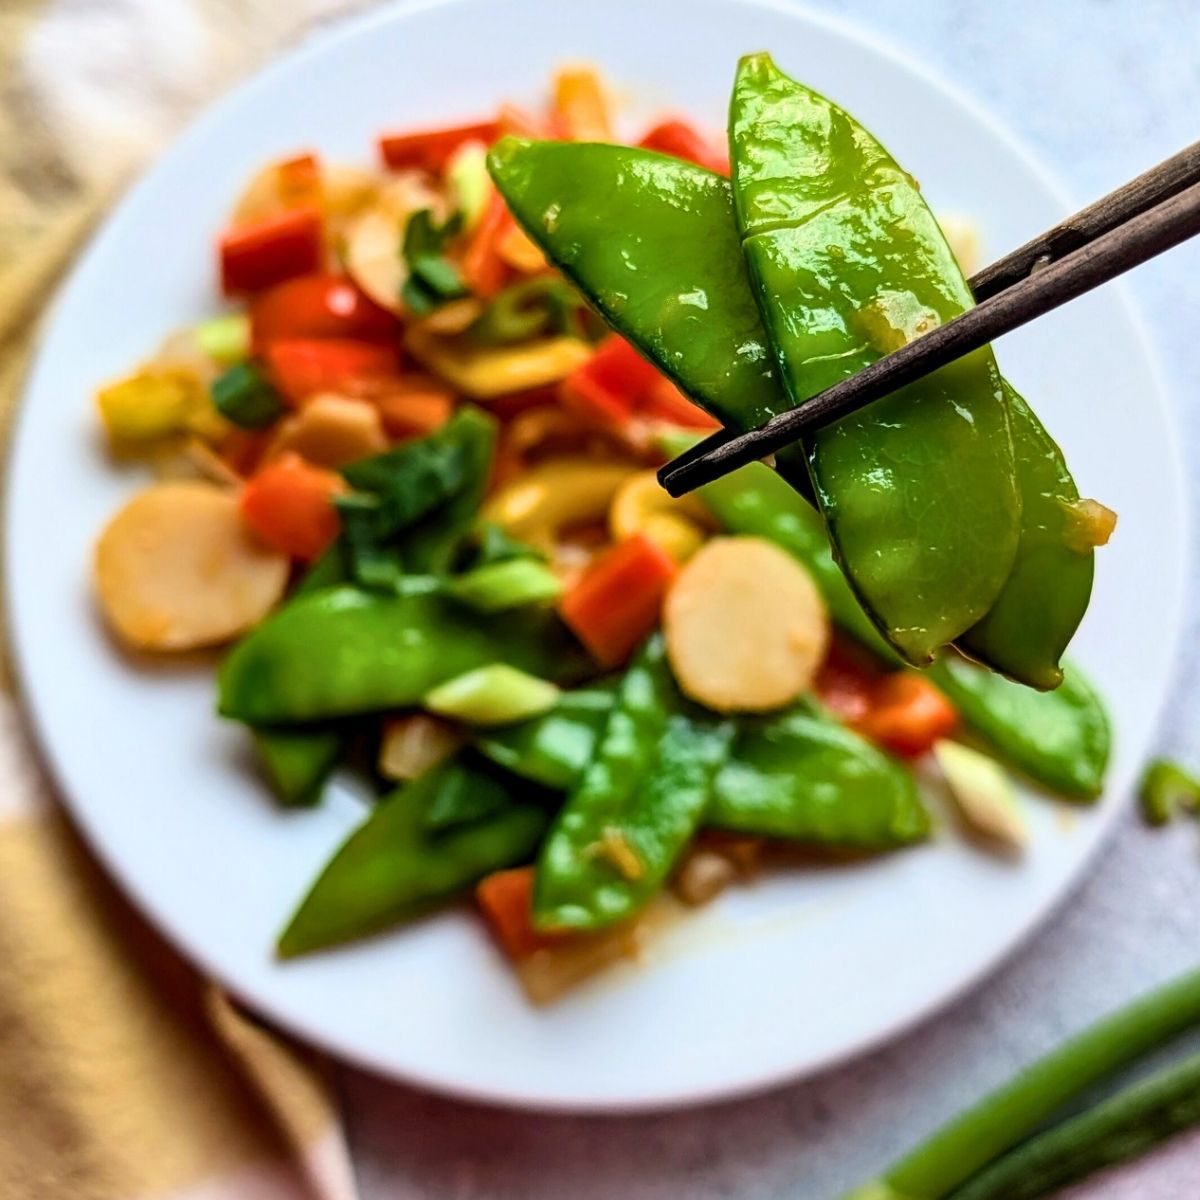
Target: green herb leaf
(534,307)
(432,278)
(245,396)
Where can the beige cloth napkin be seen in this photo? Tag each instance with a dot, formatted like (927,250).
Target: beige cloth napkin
(124,1075)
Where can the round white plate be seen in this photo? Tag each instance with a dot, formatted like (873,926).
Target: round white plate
(771,982)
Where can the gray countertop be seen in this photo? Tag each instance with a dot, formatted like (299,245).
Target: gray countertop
(1101,89)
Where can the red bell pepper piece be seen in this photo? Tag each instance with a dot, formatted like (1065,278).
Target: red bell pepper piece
(615,604)
(431,149)
(506,900)
(289,504)
(680,140)
(259,255)
(619,385)
(318,306)
(302,367)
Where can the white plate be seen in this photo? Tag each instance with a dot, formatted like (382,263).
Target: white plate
(772,982)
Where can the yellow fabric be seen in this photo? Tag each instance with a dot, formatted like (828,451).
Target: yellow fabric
(123,1073)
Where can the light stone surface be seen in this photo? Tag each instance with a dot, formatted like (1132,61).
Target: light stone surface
(1101,89)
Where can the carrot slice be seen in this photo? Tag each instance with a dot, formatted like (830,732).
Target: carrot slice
(908,714)
(615,604)
(506,900)
(483,269)
(288,504)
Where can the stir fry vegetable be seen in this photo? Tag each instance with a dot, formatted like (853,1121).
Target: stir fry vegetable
(431,529)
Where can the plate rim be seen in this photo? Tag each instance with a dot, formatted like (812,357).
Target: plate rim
(313,45)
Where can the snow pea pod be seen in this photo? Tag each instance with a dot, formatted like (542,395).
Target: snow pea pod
(847,263)
(342,651)
(651,242)
(552,749)
(803,776)
(641,797)
(1060,739)
(394,867)
(1024,633)
(297,761)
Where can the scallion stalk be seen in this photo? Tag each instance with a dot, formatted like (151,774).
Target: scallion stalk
(965,1145)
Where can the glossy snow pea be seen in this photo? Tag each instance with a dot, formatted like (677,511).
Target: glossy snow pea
(847,263)
(297,761)
(341,651)
(1024,633)
(639,801)
(1060,739)
(804,776)
(402,862)
(651,242)
(553,749)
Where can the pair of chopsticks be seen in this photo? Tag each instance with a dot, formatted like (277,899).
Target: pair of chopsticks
(1143,218)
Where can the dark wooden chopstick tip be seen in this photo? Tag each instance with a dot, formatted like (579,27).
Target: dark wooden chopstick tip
(1142,236)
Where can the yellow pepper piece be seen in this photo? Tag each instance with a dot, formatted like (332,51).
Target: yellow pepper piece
(555,495)
(641,506)
(150,404)
(580,100)
(484,372)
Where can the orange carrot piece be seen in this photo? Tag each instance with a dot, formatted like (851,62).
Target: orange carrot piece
(907,715)
(415,413)
(289,504)
(483,270)
(581,105)
(506,900)
(616,602)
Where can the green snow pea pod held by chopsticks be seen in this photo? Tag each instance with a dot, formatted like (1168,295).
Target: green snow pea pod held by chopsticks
(640,799)
(1059,738)
(1024,633)
(847,263)
(341,651)
(651,242)
(395,866)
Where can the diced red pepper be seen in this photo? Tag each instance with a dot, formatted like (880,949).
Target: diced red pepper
(319,306)
(615,604)
(506,900)
(680,140)
(665,402)
(431,149)
(619,385)
(846,684)
(303,367)
(289,504)
(259,255)
(908,714)
(483,270)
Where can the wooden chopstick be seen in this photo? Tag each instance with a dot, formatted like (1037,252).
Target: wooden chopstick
(1139,234)
(1151,188)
